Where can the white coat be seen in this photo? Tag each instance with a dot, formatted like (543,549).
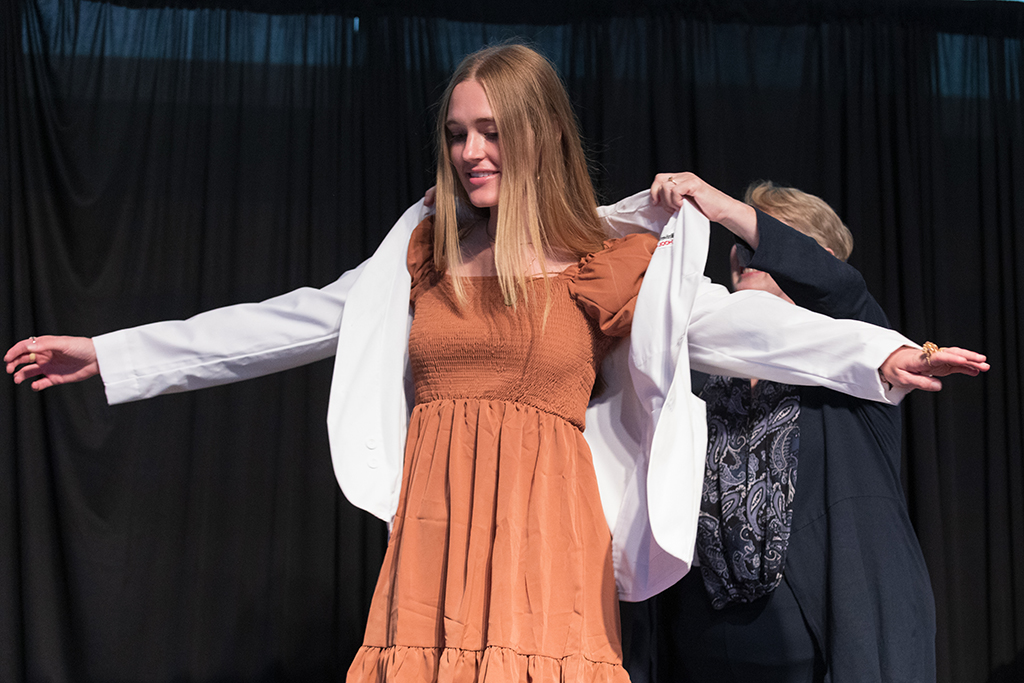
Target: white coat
(647,431)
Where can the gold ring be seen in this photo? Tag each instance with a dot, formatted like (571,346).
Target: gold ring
(927,350)
(31,358)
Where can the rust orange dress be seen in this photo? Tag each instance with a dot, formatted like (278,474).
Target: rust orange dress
(499,564)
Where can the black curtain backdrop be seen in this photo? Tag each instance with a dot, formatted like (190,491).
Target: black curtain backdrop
(162,161)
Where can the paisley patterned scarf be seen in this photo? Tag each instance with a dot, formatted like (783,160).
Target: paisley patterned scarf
(749,482)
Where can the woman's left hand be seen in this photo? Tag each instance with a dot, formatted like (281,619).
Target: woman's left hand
(910,368)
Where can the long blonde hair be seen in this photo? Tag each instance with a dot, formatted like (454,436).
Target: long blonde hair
(546,198)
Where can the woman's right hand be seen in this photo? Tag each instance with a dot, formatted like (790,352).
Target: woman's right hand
(55,360)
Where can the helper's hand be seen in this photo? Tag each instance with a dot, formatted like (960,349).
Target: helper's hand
(669,189)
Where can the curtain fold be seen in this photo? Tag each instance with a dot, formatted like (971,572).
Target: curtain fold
(163,161)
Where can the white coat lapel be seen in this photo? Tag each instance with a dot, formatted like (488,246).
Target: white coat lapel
(368,414)
(661,377)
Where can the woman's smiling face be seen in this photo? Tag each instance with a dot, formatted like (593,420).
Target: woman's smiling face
(473,143)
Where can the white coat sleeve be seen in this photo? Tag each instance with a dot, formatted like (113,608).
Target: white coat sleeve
(756,334)
(223,345)
(634,214)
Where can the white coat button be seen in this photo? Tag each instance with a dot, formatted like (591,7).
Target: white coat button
(371,443)
(373,463)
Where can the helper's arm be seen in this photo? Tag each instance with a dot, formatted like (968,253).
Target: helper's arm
(755,334)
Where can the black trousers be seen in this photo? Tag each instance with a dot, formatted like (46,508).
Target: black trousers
(678,637)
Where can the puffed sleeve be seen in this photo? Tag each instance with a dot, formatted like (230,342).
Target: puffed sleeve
(420,258)
(608,282)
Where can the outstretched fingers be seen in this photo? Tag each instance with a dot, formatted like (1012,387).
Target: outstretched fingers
(912,368)
(53,359)
(954,360)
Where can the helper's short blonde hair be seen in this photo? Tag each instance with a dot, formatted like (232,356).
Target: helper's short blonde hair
(807,213)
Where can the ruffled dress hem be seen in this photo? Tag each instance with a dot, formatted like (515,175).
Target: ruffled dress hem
(493,664)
